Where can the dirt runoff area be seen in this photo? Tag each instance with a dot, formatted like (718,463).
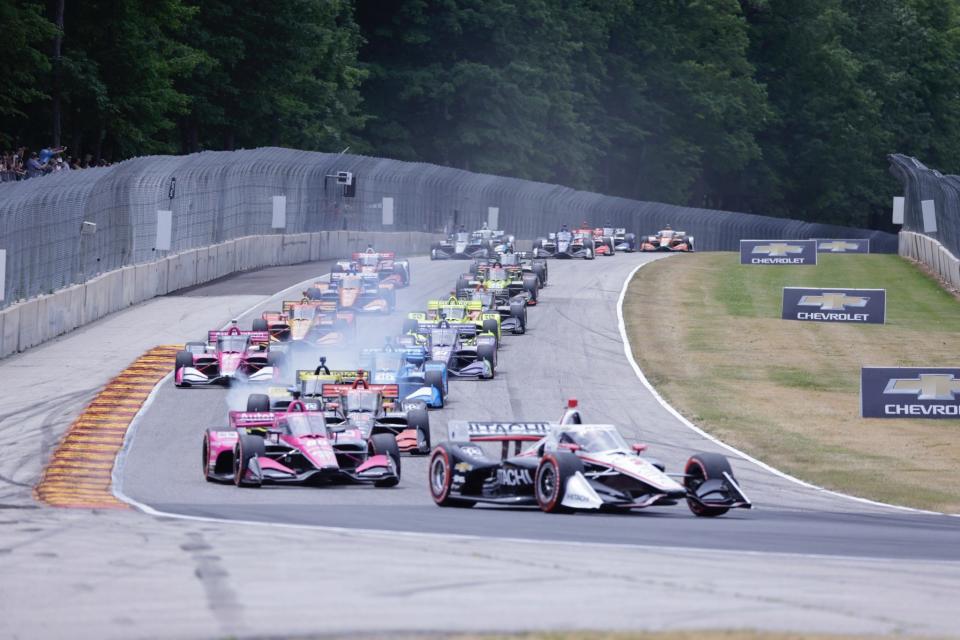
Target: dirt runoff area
(707,333)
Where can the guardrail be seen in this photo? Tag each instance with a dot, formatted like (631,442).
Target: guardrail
(215,197)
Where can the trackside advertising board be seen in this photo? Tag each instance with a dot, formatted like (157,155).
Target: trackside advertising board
(842,246)
(796,252)
(864,306)
(910,392)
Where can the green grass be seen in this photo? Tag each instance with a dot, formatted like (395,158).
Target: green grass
(913,299)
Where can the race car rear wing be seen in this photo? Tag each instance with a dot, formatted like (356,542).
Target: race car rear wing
(382,255)
(256,337)
(468,329)
(475,431)
(335,390)
(251,419)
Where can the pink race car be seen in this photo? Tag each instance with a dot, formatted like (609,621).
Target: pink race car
(297,446)
(224,357)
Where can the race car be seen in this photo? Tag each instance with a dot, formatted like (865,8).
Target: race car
(668,240)
(225,356)
(602,239)
(408,367)
(498,240)
(383,264)
(512,313)
(350,291)
(376,408)
(466,353)
(297,446)
(515,263)
(463,246)
(566,244)
(306,322)
(623,241)
(513,285)
(572,466)
(455,311)
(307,387)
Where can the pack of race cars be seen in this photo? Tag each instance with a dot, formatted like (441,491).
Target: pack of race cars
(317,425)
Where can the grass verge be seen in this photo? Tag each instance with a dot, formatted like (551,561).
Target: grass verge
(707,333)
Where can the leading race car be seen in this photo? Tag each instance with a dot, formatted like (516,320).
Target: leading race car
(566,244)
(225,356)
(668,240)
(383,264)
(572,466)
(297,446)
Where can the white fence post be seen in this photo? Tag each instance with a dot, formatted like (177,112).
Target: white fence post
(493,217)
(898,209)
(279,212)
(387,206)
(3,274)
(164,230)
(929,216)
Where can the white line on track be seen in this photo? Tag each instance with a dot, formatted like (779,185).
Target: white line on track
(628,352)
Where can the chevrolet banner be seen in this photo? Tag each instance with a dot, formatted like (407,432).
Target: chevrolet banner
(843,246)
(910,392)
(778,252)
(864,306)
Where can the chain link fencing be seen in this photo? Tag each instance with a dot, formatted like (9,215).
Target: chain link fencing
(921,183)
(220,195)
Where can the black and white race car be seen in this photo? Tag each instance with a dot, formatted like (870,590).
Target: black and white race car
(463,246)
(571,466)
(566,244)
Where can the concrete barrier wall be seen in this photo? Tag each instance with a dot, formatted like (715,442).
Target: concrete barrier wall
(925,249)
(43,318)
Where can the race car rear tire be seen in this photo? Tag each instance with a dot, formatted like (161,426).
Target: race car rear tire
(439,477)
(591,250)
(391,297)
(313,293)
(463,283)
(386,444)
(531,285)
(491,326)
(611,246)
(419,419)
(258,403)
(540,270)
(701,467)
(488,352)
(259,324)
(247,448)
(410,325)
(434,248)
(434,378)
(550,484)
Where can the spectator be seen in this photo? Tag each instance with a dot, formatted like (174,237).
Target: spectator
(47,154)
(35,168)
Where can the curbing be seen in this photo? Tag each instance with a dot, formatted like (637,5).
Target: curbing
(32,322)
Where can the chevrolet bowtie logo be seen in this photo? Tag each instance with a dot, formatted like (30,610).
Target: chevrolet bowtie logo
(777,249)
(833,301)
(928,386)
(839,246)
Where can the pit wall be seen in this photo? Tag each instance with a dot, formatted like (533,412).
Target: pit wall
(32,322)
(928,251)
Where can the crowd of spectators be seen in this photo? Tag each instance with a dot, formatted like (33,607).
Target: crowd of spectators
(23,164)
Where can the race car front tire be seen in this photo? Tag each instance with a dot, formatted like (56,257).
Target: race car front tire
(259,324)
(440,475)
(488,351)
(532,286)
(434,378)
(518,310)
(247,448)
(550,485)
(386,444)
(419,419)
(491,326)
(184,359)
(700,468)
(410,325)
(540,270)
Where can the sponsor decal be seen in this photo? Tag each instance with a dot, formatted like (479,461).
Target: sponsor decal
(910,392)
(791,252)
(864,306)
(507,428)
(514,477)
(843,246)
(463,467)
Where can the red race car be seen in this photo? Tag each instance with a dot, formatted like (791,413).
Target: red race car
(383,264)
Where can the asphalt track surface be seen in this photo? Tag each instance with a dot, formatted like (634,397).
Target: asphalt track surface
(573,348)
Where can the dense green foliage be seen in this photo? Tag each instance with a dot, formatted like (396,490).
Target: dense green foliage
(784,107)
